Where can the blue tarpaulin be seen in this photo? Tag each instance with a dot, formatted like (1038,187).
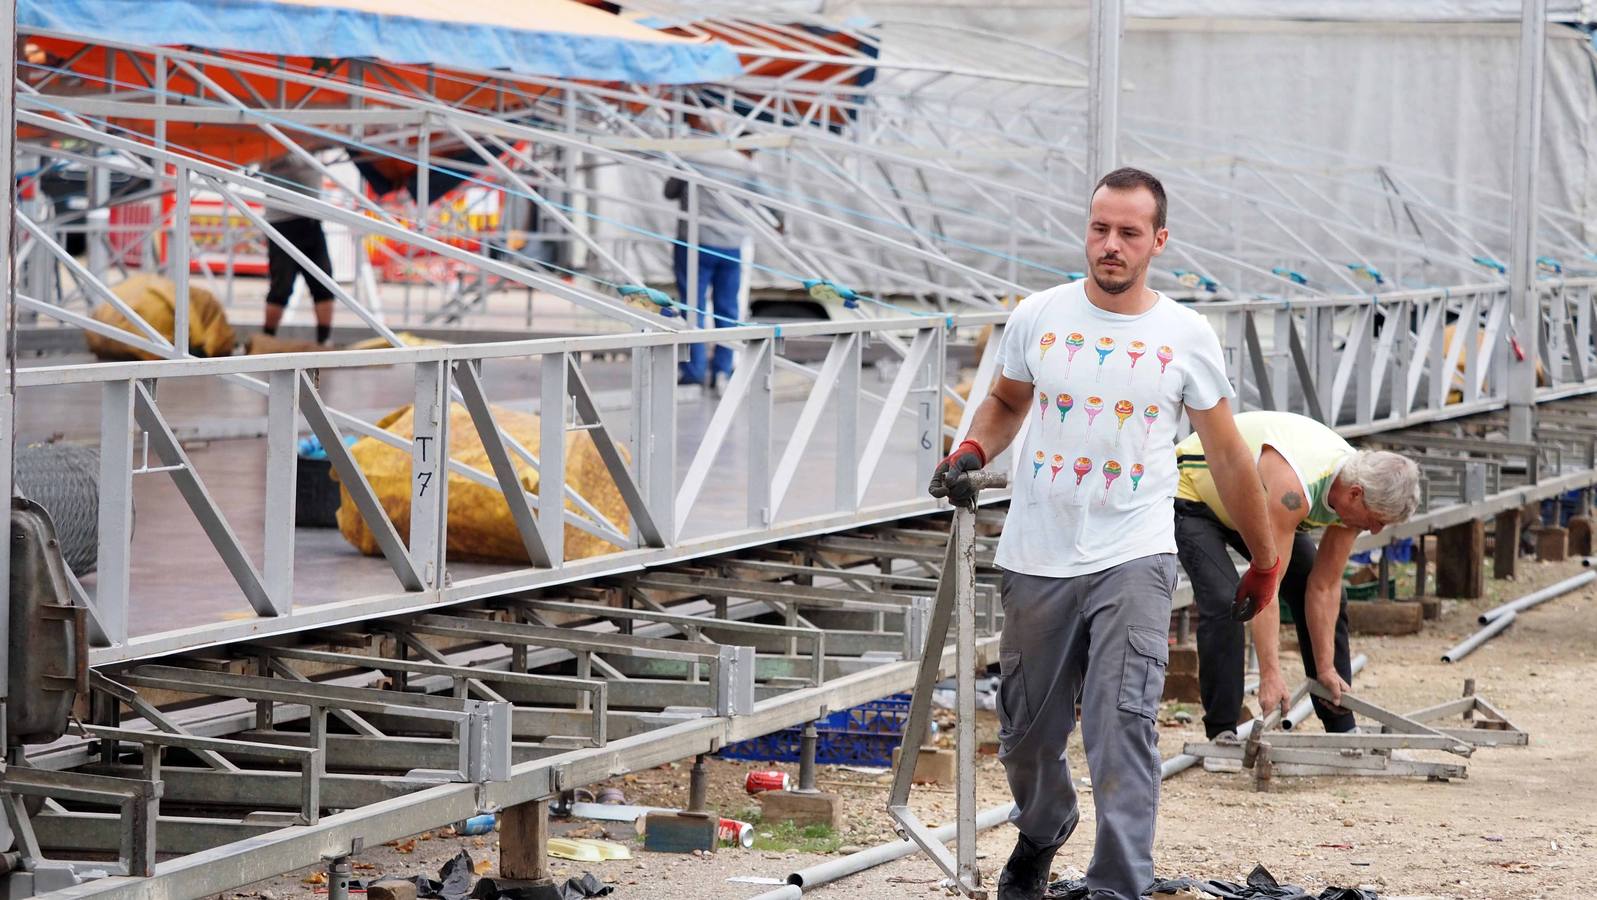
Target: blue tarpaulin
(608,49)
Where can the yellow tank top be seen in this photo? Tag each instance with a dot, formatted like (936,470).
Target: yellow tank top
(1315,453)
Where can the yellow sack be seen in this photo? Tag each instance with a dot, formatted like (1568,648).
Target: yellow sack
(480,525)
(151,296)
(405,339)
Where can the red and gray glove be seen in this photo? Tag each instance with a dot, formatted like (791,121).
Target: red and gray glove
(951,481)
(1256,591)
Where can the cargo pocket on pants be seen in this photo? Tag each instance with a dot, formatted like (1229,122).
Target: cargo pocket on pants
(1014,715)
(1142,678)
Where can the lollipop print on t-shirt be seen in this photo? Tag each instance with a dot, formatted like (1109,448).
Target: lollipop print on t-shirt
(1135,350)
(1081,468)
(1150,414)
(1094,407)
(1111,471)
(1106,346)
(1036,463)
(1165,355)
(1057,466)
(1123,411)
(1073,342)
(1064,402)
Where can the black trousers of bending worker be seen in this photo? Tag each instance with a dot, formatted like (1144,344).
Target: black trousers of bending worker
(308,238)
(1201,541)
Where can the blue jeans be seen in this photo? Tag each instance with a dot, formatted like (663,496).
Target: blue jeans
(720,271)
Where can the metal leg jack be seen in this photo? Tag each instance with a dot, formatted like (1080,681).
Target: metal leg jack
(956,599)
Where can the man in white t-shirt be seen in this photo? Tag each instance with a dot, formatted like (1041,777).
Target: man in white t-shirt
(1098,373)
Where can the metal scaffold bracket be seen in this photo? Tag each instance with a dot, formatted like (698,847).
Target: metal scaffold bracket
(956,601)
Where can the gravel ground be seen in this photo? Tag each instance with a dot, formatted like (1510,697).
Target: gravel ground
(1519,826)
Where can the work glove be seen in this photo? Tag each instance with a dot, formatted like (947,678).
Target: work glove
(951,478)
(1256,591)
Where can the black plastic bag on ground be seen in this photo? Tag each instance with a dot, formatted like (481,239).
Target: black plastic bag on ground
(453,882)
(574,889)
(1261,885)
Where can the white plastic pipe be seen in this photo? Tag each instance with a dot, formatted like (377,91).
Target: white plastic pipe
(1538,597)
(1469,644)
(832,870)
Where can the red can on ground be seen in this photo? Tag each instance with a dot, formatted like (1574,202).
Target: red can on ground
(768,780)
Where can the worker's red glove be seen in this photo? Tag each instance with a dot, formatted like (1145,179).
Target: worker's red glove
(950,478)
(1256,591)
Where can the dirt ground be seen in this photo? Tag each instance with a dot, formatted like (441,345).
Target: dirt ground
(1520,825)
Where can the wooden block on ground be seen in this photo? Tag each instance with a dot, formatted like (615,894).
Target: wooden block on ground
(524,839)
(391,889)
(1460,561)
(802,809)
(1385,617)
(1505,544)
(679,832)
(932,766)
(1183,687)
(1579,536)
(1183,660)
(1431,605)
(1552,543)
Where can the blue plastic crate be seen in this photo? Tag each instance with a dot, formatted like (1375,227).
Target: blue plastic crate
(864,735)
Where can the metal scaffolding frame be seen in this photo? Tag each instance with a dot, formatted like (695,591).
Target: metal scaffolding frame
(380,715)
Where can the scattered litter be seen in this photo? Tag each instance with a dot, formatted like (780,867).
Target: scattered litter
(606,812)
(574,889)
(1261,885)
(576,849)
(587,849)
(1494,838)
(454,880)
(314,878)
(945,699)
(865,770)
(1335,846)
(756,879)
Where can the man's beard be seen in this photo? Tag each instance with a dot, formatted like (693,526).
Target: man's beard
(1114,287)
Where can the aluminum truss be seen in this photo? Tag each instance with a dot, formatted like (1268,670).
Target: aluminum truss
(365,715)
(383,714)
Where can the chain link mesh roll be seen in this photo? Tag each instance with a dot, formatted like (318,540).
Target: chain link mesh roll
(65,480)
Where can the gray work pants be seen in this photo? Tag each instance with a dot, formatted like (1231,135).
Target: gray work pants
(1100,640)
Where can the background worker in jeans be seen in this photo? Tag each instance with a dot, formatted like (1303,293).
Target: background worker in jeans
(1314,479)
(720,257)
(306,235)
(1089,558)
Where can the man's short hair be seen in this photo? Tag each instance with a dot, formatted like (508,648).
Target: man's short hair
(1127,178)
(1391,483)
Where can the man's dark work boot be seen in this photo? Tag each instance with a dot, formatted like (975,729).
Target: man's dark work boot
(1025,876)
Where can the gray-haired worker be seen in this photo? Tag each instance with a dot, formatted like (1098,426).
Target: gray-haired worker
(1314,479)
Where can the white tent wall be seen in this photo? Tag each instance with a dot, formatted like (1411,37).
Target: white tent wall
(1434,98)
(1432,103)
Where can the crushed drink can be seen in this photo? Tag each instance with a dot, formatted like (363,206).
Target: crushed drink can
(768,780)
(732,833)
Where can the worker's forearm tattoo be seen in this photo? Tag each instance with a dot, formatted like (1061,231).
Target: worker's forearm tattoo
(1292,500)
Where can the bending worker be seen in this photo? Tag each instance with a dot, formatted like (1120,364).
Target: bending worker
(1313,479)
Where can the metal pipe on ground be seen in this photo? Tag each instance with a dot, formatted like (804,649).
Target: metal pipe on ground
(1539,597)
(1181,762)
(1304,707)
(832,870)
(1471,643)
